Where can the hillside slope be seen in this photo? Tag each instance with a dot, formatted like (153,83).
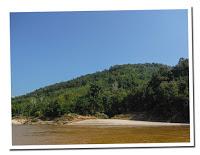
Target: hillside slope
(153,89)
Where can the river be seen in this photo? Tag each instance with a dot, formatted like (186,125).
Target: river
(77,134)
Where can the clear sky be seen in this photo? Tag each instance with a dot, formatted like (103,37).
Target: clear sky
(51,47)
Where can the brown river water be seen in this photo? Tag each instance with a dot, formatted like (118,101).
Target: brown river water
(74,134)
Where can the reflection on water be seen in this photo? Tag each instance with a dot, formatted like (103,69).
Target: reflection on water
(55,134)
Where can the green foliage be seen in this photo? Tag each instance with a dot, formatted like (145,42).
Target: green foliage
(160,91)
(52,109)
(166,96)
(101,115)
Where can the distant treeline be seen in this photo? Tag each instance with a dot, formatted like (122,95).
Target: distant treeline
(159,92)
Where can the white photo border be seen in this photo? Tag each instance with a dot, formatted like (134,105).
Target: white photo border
(97,7)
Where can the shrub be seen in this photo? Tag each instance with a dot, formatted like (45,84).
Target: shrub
(101,115)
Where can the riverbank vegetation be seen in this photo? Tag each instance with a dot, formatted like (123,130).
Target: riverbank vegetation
(155,92)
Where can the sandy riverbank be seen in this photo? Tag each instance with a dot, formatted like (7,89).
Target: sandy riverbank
(66,119)
(19,121)
(108,122)
(119,122)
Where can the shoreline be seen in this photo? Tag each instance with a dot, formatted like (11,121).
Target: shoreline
(120,122)
(94,122)
(63,120)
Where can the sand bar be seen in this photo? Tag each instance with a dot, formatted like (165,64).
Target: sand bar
(117,122)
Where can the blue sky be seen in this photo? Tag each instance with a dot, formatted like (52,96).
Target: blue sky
(51,47)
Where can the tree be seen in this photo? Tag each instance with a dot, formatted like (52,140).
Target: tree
(93,96)
(82,106)
(52,109)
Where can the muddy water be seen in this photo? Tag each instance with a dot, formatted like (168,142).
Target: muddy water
(54,134)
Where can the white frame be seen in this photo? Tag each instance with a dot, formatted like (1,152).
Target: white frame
(88,5)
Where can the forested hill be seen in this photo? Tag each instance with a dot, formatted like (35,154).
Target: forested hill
(158,91)
(125,75)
